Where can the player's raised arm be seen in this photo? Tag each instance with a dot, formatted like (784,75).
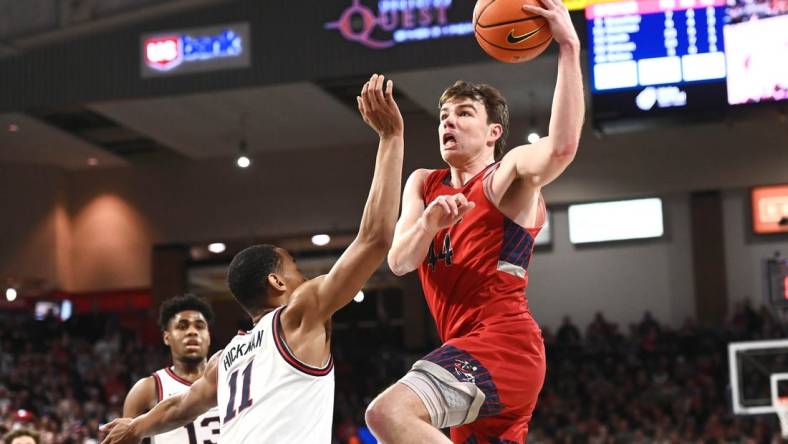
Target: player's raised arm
(542,162)
(325,295)
(175,411)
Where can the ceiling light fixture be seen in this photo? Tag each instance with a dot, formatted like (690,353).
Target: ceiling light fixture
(217,247)
(243,160)
(321,239)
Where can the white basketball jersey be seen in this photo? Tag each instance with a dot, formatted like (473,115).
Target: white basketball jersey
(266,395)
(204,429)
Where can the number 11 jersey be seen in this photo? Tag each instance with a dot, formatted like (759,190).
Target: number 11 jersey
(265,394)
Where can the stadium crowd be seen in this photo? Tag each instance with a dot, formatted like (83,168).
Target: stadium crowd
(647,384)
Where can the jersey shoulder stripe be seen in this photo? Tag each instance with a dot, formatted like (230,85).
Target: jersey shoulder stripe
(159,389)
(174,376)
(288,356)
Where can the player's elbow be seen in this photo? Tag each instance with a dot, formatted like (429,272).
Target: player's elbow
(376,243)
(396,263)
(396,268)
(376,234)
(565,151)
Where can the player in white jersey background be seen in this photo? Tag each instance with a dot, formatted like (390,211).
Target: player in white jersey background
(275,384)
(184,321)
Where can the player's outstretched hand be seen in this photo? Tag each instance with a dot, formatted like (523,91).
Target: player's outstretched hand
(119,432)
(378,108)
(446,211)
(557,16)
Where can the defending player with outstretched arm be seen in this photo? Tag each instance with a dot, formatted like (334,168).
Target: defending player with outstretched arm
(275,384)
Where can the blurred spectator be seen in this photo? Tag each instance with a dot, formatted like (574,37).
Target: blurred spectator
(568,334)
(21,436)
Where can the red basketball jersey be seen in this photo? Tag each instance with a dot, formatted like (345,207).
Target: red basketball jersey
(475,275)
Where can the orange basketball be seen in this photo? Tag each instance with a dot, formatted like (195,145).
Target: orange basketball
(509,34)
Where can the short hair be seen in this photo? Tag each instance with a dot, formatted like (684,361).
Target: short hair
(177,304)
(247,275)
(494,103)
(18,433)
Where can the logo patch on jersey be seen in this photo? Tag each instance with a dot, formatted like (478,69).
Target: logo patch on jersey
(464,370)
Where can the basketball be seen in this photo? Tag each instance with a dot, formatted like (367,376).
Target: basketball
(509,34)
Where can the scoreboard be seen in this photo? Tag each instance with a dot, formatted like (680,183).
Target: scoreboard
(648,57)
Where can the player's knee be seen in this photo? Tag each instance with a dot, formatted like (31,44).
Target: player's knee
(381,415)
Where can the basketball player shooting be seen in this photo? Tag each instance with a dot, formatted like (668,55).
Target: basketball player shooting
(184,324)
(469,230)
(275,384)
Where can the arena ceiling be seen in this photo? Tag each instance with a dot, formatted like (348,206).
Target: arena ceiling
(298,116)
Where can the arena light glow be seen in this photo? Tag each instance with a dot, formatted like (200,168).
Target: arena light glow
(243,162)
(769,209)
(359,297)
(533,137)
(217,247)
(321,239)
(66,310)
(615,221)
(785,287)
(10,294)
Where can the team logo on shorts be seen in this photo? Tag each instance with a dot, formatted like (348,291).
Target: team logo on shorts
(464,370)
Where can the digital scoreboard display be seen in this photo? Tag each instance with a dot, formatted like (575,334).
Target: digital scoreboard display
(652,57)
(756,42)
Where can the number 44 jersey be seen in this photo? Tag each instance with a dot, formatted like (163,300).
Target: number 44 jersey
(266,395)
(475,274)
(204,429)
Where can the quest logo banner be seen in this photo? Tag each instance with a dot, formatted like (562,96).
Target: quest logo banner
(386,23)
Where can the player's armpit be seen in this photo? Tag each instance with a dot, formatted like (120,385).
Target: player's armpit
(141,398)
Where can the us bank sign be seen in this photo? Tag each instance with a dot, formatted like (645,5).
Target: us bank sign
(195,50)
(393,22)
